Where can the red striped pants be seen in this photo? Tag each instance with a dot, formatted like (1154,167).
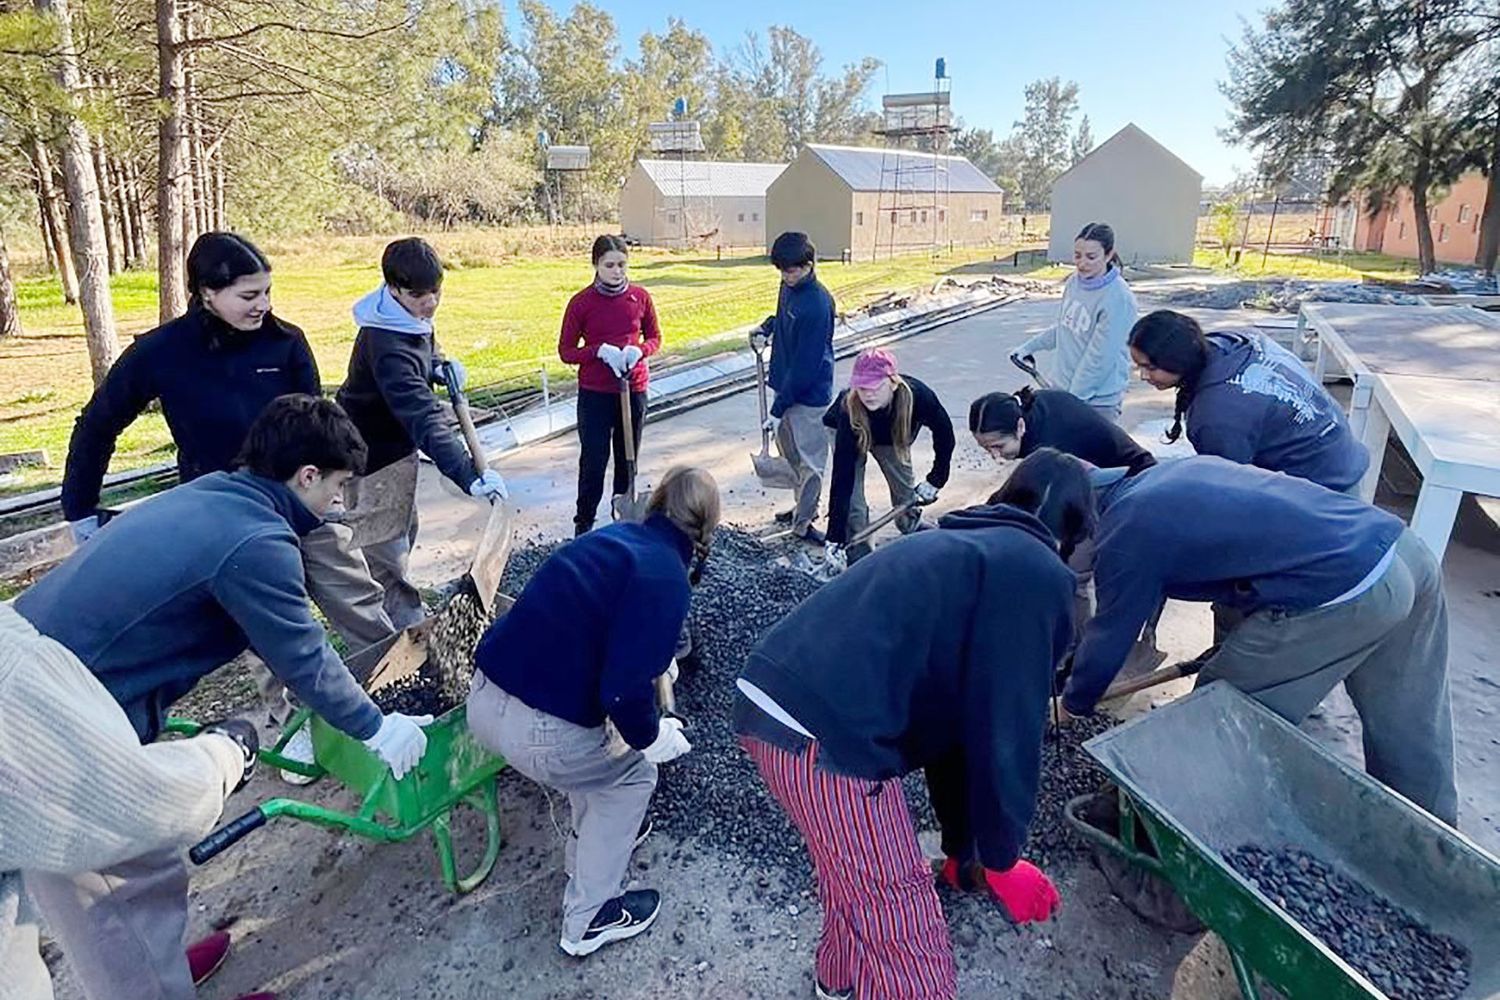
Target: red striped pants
(883,928)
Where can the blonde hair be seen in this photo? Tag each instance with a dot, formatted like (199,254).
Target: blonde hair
(901,433)
(688,497)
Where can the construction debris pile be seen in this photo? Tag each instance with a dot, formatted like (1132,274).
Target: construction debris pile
(1392,949)
(1282,296)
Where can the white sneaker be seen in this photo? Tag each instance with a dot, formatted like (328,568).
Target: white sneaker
(300,749)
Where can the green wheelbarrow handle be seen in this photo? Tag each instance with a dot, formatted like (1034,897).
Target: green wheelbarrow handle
(270,756)
(1122,846)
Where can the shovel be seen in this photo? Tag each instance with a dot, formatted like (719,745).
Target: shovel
(1027,364)
(483,577)
(773,471)
(821,573)
(629,506)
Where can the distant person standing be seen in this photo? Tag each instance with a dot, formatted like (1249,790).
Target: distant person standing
(608,331)
(1089,340)
(801,374)
(212,369)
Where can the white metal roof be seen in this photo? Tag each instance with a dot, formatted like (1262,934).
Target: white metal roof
(873,168)
(711,179)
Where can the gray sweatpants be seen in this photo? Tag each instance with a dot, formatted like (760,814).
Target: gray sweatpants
(608,795)
(122,929)
(803,441)
(1390,648)
(899,480)
(364,593)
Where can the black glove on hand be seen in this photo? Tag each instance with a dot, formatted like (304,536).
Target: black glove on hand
(246,735)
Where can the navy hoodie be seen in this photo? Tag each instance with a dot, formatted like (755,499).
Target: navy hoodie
(212,382)
(595,626)
(1256,404)
(935,652)
(1055,418)
(801,369)
(175,588)
(1204,529)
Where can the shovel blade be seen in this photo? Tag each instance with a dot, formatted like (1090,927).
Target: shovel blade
(774,473)
(491,555)
(627,508)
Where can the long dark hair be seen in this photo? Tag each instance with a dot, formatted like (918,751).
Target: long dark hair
(1174,343)
(1055,487)
(218,260)
(1104,235)
(604,244)
(999,412)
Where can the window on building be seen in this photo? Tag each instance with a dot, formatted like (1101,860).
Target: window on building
(924,216)
(754,216)
(1463,213)
(1401,231)
(672,217)
(893,218)
(979,215)
(859,218)
(1443,233)
(742,216)
(942,215)
(914,215)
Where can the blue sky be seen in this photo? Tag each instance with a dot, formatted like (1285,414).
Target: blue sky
(1158,67)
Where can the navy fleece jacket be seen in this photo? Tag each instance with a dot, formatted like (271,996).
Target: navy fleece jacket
(212,382)
(1256,404)
(175,588)
(1205,529)
(935,652)
(801,369)
(1055,418)
(595,626)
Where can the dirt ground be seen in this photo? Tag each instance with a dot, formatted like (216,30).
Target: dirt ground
(319,915)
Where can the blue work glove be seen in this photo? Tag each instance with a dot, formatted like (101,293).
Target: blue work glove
(489,487)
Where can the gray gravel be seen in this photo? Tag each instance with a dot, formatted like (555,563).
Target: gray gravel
(1393,949)
(1282,295)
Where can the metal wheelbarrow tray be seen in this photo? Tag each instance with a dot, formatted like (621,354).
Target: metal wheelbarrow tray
(454,770)
(1215,770)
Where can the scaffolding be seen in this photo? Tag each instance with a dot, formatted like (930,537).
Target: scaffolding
(912,201)
(695,216)
(562,161)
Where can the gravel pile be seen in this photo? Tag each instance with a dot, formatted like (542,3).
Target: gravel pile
(1283,296)
(1392,949)
(713,795)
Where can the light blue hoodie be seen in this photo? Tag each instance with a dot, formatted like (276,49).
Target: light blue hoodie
(1089,341)
(381,310)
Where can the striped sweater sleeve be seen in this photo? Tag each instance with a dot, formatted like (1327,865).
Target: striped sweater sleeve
(78,792)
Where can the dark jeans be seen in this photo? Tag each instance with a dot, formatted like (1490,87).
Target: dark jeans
(599,429)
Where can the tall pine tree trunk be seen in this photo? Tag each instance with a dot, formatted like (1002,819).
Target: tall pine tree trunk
(10,312)
(49,255)
(129,238)
(57,230)
(135,195)
(85,220)
(171,171)
(1489,222)
(113,243)
(1421,187)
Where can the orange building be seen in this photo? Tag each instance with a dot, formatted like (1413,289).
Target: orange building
(1393,229)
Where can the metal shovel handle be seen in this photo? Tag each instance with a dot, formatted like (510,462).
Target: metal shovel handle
(227,836)
(1022,362)
(765,410)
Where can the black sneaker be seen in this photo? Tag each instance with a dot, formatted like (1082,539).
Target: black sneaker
(812,536)
(643,832)
(824,993)
(620,918)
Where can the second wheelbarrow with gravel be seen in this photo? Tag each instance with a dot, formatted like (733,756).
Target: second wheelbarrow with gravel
(1215,775)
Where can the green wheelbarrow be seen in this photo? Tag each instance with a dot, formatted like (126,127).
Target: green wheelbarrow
(455,770)
(1214,771)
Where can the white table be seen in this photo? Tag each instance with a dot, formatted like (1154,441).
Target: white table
(1432,374)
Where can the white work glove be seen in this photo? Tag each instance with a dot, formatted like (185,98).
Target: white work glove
(612,356)
(771,424)
(759,340)
(632,356)
(400,742)
(669,743)
(460,373)
(489,486)
(84,528)
(926,492)
(835,558)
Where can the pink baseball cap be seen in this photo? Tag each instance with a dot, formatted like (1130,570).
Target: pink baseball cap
(873,367)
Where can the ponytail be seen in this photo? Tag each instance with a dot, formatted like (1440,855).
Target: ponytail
(689,497)
(1102,234)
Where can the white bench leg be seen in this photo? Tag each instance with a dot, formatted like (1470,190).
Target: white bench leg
(1437,509)
(1361,402)
(1377,429)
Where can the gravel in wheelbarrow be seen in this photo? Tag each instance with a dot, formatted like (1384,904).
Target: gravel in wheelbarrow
(1390,947)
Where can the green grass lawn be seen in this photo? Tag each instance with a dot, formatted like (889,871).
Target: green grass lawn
(500,315)
(1309,267)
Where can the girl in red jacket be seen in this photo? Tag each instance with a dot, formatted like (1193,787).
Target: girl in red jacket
(608,331)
